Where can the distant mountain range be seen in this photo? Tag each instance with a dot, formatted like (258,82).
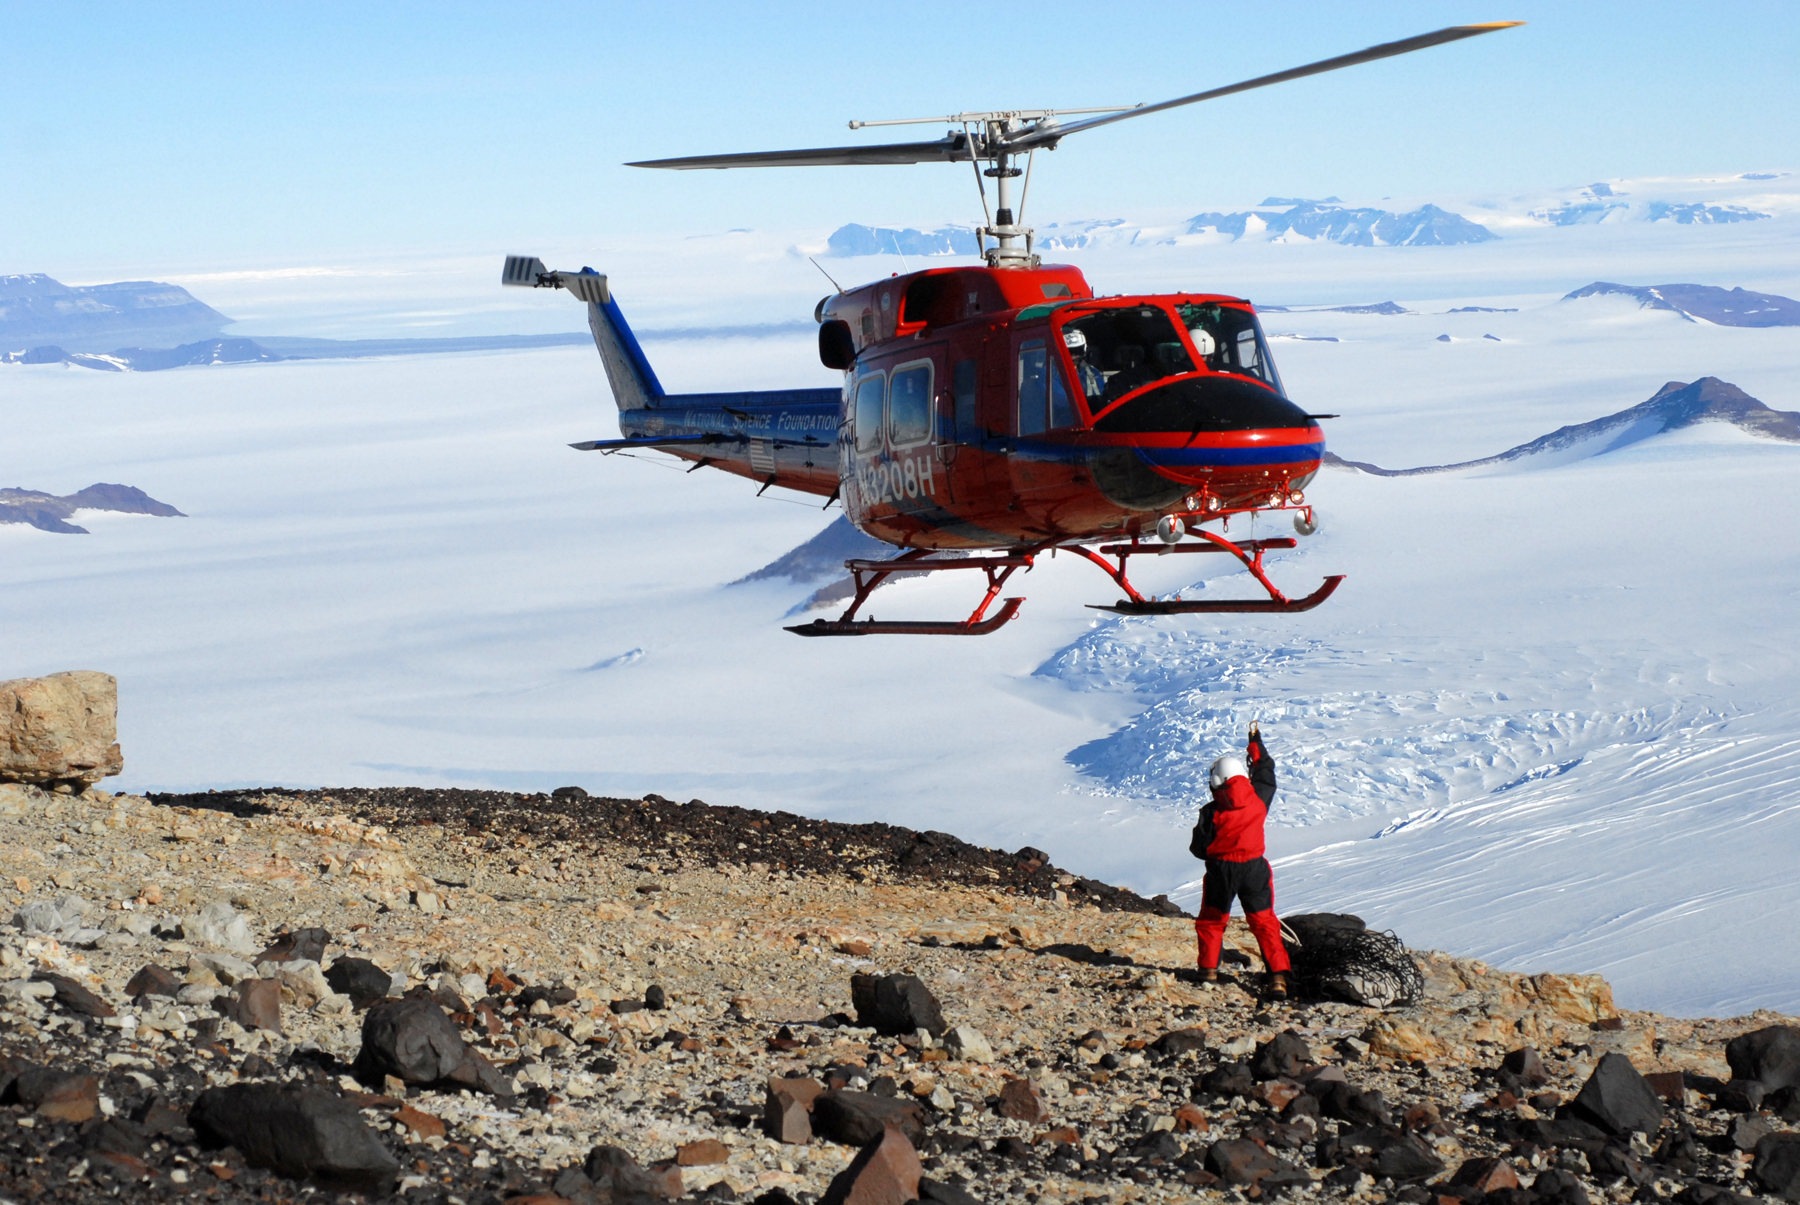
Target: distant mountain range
(1601,203)
(1427,226)
(50,512)
(36,310)
(1704,303)
(1326,220)
(853,240)
(1674,406)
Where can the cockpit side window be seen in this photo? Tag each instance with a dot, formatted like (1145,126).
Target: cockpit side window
(1044,403)
(1230,340)
(871,393)
(1116,350)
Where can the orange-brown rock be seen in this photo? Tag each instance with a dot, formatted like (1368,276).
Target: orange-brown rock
(62,728)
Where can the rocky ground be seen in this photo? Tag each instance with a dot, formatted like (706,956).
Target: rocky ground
(472,996)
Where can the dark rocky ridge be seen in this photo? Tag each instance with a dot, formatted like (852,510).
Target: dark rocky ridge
(1703,303)
(703,834)
(1674,406)
(50,512)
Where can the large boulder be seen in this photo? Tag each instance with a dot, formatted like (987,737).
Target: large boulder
(63,728)
(896,1004)
(416,1042)
(298,1132)
(1617,1099)
(1777,1166)
(1770,1055)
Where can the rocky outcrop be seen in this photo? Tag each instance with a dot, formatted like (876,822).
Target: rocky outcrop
(60,729)
(51,512)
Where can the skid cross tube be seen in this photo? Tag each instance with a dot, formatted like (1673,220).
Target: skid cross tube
(1250,552)
(870,574)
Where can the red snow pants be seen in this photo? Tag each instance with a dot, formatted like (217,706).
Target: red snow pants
(1251,883)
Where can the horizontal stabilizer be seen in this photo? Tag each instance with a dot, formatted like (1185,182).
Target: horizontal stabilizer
(528,271)
(654,441)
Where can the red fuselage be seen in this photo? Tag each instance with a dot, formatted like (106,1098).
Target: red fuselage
(1002,407)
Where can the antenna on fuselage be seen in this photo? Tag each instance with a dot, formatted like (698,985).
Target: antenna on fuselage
(815,263)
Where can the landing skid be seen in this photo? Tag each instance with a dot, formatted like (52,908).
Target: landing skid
(1250,552)
(870,574)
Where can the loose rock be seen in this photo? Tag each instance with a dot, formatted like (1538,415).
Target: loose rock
(885,1172)
(857,1118)
(300,1132)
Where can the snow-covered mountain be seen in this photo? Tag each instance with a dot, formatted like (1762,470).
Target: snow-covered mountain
(36,310)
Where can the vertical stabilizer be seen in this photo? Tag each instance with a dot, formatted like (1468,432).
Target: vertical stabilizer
(628,371)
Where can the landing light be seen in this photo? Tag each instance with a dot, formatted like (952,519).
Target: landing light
(1169,529)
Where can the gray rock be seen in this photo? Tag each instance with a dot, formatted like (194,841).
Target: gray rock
(967,1042)
(218,924)
(298,1132)
(39,918)
(229,970)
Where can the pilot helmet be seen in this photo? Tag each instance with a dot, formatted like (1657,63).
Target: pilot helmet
(1075,341)
(1204,343)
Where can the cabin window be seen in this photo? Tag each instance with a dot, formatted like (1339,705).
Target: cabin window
(1044,403)
(870,394)
(909,405)
(963,377)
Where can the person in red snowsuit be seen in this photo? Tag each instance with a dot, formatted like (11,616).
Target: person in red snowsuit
(1235,865)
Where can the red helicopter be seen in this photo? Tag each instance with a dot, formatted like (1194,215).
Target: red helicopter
(1004,409)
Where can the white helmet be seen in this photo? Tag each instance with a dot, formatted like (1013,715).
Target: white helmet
(1226,769)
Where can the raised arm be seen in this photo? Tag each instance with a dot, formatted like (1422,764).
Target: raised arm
(1262,768)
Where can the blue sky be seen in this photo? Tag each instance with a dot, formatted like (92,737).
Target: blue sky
(200,133)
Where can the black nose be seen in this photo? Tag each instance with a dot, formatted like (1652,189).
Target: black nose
(1197,404)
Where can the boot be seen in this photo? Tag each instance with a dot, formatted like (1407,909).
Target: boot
(1278,986)
(1209,974)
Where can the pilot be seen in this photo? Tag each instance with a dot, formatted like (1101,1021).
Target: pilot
(1229,836)
(1093,381)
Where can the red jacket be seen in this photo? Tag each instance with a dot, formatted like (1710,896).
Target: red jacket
(1239,822)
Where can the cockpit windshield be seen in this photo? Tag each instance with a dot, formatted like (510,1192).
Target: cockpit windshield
(1230,340)
(1116,350)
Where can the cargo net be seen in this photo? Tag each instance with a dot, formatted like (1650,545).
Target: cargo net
(1337,957)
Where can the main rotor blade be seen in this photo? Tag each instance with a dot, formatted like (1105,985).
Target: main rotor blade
(952,148)
(1031,140)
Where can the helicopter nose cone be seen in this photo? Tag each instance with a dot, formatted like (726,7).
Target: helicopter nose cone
(1236,438)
